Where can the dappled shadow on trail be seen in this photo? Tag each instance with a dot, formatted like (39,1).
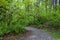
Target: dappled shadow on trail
(34,34)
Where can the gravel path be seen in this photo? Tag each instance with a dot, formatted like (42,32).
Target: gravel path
(36,34)
(33,34)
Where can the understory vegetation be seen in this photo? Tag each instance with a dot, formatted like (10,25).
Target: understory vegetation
(15,15)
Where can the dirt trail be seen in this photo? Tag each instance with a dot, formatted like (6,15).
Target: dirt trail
(35,34)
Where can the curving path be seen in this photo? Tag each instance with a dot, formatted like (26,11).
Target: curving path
(36,34)
(32,34)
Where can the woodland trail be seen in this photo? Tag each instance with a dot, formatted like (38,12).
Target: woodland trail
(34,34)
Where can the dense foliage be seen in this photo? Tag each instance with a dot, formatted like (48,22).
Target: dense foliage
(10,19)
(15,15)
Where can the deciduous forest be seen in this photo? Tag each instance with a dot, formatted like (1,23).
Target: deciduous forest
(16,15)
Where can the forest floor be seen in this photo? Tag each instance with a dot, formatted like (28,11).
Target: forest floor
(54,33)
(31,34)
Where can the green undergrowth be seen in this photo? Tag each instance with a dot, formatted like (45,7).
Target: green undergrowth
(15,15)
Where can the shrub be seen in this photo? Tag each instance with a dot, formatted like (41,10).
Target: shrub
(9,22)
(13,18)
(52,18)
